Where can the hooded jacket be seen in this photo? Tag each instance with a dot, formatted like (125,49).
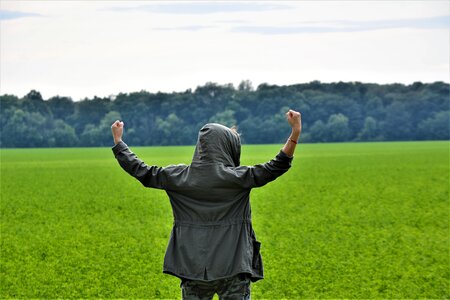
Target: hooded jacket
(212,235)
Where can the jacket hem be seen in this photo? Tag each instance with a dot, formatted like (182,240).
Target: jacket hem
(253,277)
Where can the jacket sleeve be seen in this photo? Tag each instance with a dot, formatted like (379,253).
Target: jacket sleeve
(149,176)
(261,174)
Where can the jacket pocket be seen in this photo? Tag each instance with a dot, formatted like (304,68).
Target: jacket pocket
(256,260)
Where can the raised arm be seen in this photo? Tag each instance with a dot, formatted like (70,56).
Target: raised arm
(261,174)
(149,176)
(294,119)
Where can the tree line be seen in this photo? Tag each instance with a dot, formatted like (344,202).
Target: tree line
(331,112)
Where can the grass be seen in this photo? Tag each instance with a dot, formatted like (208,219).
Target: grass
(350,220)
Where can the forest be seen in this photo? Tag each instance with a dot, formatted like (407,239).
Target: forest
(331,112)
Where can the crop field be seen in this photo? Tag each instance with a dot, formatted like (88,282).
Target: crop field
(349,220)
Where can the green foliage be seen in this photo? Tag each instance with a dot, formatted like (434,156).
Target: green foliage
(435,127)
(101,134)
(370,130)
(61,107)
(337,128)
(349,220)
(225,118)
(398,123)
(331,112)
(318,132)
(168,129)
(64,134)
(27,129)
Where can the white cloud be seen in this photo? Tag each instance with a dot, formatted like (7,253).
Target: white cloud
(349,26)
(202,7)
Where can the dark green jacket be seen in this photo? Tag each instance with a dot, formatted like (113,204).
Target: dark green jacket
(212,235)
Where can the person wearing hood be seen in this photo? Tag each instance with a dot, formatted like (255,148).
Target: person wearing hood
(212,246)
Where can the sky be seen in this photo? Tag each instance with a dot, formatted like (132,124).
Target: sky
(101,48)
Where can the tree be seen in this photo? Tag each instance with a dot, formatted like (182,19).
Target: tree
(63,134)
(34,95)
(225,118)
(33,102)
(99,135)
(337,128)
(90,136)
(369,131)
(61,107)
(436,127)
(318,132)
(245,86)
(25,129)
(89,112)
(250,130)
(340,111)
(397,125)
(168,127)
(271,127)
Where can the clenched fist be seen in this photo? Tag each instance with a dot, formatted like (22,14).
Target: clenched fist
(294,119)
(117,131)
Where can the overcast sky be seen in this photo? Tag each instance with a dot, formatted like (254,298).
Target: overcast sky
(86,48)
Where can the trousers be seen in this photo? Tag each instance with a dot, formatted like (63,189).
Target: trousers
(232,288)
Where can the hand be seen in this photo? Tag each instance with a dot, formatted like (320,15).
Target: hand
(117,131)
(294,119)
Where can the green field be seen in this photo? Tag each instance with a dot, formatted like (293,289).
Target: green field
(350,220)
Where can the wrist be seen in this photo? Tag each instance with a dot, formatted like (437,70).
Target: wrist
(295,133)
(116,141)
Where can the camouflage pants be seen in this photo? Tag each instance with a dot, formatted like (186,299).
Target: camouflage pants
(233,288)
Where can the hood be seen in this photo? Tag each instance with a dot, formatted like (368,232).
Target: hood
(217,144)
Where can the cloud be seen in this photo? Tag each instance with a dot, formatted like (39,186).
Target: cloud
(234,21)
(10,15)
(187,28)
(348,26)
(204,7)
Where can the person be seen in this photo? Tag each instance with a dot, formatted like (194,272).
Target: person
(212,246)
